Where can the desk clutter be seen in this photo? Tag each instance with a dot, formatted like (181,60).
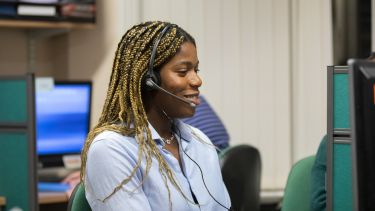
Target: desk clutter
(52,187)
(49,10)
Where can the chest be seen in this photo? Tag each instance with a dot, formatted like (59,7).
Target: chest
(188,176)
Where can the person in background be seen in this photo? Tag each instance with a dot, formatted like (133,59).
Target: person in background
(73,179)
(140,156)
(318,178)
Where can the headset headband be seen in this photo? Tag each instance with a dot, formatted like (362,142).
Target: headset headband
(150,72)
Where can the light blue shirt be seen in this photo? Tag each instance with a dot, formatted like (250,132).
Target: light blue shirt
(112,157)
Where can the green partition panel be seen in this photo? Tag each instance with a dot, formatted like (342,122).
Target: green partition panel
(14,172)
(342,177)
(339,162)
(13,103)
(341,101)
(17,143)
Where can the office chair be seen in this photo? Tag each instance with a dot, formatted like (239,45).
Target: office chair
(297,190)
(241,170)
(77,201)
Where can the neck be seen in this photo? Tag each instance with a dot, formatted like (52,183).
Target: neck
(161,122)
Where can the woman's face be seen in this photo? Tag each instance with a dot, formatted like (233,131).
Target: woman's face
(180,77)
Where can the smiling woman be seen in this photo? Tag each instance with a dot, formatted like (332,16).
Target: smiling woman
(140,156)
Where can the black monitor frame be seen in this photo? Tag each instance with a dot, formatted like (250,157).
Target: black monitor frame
(362,105)
(56,160)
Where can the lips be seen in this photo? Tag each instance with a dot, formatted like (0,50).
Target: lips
(193,98)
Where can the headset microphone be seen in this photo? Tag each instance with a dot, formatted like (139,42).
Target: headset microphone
(153,85)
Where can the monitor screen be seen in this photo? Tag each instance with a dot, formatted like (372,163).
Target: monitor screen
(62,118)
(362,95)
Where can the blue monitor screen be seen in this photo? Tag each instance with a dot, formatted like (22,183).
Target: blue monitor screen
(62,118)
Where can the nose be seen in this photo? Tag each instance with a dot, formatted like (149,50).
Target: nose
(195,80)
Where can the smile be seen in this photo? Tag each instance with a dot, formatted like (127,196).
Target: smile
(193,98)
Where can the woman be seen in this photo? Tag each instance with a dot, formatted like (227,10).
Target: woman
(140,156)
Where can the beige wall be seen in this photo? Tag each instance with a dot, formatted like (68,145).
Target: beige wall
(312,51)
(263,65)
(13,51)
(31,51)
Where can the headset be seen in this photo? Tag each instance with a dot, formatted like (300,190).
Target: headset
(152,80)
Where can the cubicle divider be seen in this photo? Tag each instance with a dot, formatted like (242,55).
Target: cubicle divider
(339,162)
(18,178)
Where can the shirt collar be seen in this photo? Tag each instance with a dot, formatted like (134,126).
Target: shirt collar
(155,135)
(182,130)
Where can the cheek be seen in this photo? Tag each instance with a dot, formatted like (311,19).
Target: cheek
(174,84)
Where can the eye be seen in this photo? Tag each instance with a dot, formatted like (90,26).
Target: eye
(182,71)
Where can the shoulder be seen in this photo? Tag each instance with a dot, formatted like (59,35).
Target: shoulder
(197,135)
(109,144)
(110,155)
(108,138)
(111,158)
(321,155)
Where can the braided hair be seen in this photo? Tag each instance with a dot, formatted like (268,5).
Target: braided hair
(124,110)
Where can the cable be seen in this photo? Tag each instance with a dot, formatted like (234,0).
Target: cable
(179,134)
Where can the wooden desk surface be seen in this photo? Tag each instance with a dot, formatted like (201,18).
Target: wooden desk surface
(52,197)
(2,201)
(271,196)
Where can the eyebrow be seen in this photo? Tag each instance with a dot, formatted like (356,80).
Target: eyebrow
(187,63)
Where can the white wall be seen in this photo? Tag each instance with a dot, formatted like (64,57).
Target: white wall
(312,51)
(262,61)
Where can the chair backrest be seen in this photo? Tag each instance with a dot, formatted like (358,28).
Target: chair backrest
(241,170)
(77,201)
(297,190)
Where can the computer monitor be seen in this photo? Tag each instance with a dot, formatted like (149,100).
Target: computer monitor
(362,96)
(62,121)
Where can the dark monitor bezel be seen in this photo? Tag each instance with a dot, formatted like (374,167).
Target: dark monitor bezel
(56,160)
(358,90)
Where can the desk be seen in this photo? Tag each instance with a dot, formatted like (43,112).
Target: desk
(270,199)
(56,201)
(271,196)
(52,197)
(45,198)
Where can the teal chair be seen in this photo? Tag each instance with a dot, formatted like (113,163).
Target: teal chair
(297,190)
(77,201)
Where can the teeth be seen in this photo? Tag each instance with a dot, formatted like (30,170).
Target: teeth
(191,97)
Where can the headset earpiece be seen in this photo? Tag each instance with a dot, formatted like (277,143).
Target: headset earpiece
(151,76)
